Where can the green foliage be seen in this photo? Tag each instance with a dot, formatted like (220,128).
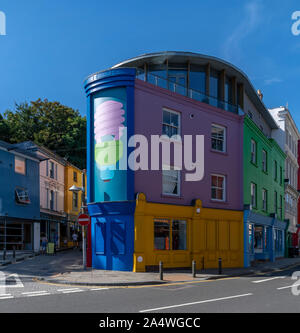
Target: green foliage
(49,124)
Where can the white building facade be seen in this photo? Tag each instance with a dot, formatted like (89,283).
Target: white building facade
(287,137)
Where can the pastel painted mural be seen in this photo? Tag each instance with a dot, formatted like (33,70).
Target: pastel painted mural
(110,141)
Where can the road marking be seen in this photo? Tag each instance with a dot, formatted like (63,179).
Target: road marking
(72,291)
(34,292)
(293,285)
(68,289)
(269,279)
(41,294)
(18,284)
(200,302)
(6,297)
(96,289)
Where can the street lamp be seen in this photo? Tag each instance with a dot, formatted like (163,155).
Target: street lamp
(76,189)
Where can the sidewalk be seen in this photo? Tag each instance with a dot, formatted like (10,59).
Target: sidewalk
(75,275)
(20,255)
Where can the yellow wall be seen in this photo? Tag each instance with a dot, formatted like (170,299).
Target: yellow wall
(212,233)
(69,182)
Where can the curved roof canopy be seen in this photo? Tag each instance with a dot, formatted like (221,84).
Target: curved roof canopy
(200,59)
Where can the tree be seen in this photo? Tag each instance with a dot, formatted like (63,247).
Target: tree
(52,125)
(4,130)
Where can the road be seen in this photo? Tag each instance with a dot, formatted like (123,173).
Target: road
(276,293)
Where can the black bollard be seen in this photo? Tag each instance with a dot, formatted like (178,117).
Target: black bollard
(161,270)
(194,268)
(220,266)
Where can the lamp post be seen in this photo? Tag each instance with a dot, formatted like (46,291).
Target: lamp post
(77,189)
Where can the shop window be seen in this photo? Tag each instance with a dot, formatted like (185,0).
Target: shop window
(251,238)
(22,196)
(178,235)
(278,240)
(20,165)
(162,235)
(218,138)
(258,239)
(170,181)
(171,123)
(164,229)
(218,188)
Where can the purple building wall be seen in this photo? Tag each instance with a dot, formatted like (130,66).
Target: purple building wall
(149,104)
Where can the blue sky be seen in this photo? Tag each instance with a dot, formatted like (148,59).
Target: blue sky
(52,45)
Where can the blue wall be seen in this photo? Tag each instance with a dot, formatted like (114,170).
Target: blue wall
(9,180)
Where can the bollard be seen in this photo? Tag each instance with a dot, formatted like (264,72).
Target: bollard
(161,272)
(194,268)
(220,266)
(4,254)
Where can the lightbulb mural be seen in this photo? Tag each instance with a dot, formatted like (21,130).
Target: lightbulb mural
(110,145)
(109,119)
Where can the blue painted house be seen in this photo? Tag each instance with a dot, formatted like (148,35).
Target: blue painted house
(19,198)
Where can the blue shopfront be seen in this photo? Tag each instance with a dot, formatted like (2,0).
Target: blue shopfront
(263,237)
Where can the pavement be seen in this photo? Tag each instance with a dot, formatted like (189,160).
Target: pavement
(66,268)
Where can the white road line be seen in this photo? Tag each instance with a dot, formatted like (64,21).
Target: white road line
(67,289)
(96,289)
(200,302)
(293,285)
(3,295)
(269,279)
(41,294)
(34,292)
(72,291)
(6,297)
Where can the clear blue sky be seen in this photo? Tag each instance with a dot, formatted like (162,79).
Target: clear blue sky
(52,45)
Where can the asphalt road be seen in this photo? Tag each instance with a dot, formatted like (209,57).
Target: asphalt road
(265,293)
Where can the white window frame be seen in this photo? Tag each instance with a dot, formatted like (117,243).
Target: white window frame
(170,125)
(224,138)
(253,194)
(264,160)
(264,193)
(171,168)
(224,188)
(253,153)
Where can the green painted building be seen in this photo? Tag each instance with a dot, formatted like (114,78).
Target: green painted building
(264,227)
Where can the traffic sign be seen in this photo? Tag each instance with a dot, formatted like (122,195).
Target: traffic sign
(83,219)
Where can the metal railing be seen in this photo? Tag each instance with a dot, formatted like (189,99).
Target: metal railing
(188,92)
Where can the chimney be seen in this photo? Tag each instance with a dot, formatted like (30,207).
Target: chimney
(260,95)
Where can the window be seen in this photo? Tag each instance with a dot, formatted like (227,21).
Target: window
(171,123)
(264,200)
(253,151)
(253,195)
(75,176)
(280,207)
(218,138)
(258,239)
(170,181)
(20,165)
(218,188)
(75,201)
(275,170)
(179,235)
(280,175)
(278,240)
(163,229)
(251,238)
(197,78)
(214,83)
(275,202)
(264,160)
(51,170)
(22,196)
(161,235)
(52,200)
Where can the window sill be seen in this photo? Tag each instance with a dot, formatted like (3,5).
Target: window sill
(219,201)
(171,196)
(225,153)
